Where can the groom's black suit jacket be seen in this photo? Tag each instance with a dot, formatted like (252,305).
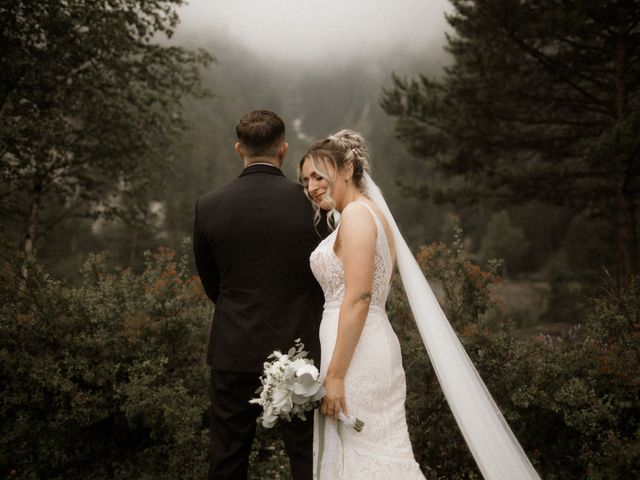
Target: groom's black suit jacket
(252,241)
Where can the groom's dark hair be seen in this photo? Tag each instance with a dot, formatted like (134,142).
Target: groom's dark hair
(260,133)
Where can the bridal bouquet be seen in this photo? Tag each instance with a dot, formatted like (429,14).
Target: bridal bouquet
(291,387)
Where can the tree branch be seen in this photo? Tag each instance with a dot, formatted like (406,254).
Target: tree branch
(548,64)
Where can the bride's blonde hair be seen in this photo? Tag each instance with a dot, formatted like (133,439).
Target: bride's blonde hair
(339,150)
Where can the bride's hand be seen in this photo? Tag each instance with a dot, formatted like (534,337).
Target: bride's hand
(334,402)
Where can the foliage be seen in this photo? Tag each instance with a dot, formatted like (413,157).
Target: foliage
(107,379)
(572,399)
(90,106)
(541,102)
(465,285)
(268,458)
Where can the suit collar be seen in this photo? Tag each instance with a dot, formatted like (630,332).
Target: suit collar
(262,168)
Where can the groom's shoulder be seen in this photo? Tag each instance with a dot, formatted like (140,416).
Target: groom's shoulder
(219,192)
(212,201)
(293,187)
(269,185)
(280,188)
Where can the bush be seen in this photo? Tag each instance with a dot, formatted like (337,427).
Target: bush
(572,400)
(268,458)
(107,379)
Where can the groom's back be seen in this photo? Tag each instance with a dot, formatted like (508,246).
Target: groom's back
(257,234)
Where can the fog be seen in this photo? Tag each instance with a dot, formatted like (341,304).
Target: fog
(312,31)
(321,65)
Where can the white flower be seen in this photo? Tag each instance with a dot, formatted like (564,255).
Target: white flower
(296,365)
(307,369)
(290,386)
(281,401)
(306,386)
(269,418)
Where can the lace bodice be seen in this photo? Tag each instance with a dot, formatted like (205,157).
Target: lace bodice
(329,272)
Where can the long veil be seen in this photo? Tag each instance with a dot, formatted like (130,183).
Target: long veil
(494,447)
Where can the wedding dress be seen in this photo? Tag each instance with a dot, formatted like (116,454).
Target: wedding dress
(375,387)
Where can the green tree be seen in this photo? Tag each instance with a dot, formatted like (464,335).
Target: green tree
(542,100)
(90,104)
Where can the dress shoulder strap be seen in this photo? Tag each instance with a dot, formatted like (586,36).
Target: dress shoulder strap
(373,213)
(382,234)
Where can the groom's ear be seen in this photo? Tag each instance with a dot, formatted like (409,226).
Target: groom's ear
(240,151)
(282,151)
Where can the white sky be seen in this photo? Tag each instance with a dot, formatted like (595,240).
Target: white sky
(301,30)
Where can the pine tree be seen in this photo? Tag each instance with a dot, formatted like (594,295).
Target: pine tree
(542,101)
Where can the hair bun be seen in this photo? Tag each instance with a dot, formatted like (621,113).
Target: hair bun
(357,149)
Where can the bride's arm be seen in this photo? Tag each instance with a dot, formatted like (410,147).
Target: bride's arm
(356,243)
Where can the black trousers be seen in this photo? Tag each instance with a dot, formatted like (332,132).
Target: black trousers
(233,427)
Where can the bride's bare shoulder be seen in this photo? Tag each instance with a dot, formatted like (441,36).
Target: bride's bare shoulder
(356,222)
(369,213)
(356,213)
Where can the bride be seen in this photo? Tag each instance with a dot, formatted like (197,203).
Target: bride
(361,363)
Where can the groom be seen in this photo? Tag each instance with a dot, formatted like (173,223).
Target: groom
(252,240)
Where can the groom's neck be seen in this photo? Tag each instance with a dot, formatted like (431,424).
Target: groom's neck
(268,160)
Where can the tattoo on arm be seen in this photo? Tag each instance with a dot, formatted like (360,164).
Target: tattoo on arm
(365,296)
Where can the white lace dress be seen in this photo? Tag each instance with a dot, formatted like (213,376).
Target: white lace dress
(375,386)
